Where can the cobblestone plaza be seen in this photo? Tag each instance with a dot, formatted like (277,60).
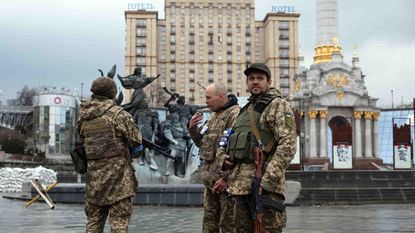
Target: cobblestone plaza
(151,219)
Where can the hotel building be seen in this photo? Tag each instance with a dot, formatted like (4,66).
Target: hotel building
(201,42)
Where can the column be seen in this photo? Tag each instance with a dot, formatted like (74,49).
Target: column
(358,134)
(323,134)
(313,142)
(375,134)
(368,135)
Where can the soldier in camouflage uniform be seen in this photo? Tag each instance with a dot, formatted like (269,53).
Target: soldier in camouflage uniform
(274,119)
(108,132)
(217,203)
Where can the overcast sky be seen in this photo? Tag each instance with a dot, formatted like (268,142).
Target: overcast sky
(63,42)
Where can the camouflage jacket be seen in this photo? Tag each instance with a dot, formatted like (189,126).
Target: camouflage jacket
(278,117)
(112,179)
(208,143)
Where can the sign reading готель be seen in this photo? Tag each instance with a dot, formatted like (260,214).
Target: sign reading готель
(285,9)
(140,6)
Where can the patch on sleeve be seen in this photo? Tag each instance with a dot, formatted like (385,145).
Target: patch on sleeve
(289,120)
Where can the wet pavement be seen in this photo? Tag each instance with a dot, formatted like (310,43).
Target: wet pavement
(150,219)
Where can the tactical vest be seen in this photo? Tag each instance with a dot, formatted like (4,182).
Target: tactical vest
(210,141)
(100,138)
(242,142)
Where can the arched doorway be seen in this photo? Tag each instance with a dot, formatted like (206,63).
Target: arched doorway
(341,143)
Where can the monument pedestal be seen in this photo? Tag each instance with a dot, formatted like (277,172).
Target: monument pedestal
(366,163)
(317,162)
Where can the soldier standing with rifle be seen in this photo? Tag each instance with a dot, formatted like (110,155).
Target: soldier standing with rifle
(259,151)
(217,205)
(109,135)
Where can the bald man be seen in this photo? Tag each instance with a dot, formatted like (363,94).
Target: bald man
(218,206)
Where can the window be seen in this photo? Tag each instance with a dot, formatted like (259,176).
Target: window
(141,61)
(141,51)
(284,44)
(284,71)
(140,22)
(140,41)
(283,25)
(284,53)
(284,63)
(284,82)
(284,35)
(141,32)
(247,10)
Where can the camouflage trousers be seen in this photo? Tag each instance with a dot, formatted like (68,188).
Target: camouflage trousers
(119,216)
(273,221)
(218,212)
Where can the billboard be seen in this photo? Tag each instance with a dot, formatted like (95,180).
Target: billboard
(402,158)
(342,156)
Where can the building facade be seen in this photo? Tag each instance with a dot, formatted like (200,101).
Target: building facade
(54,120)
(201,42)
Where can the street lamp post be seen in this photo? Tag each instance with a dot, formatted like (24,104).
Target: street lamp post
(1,93)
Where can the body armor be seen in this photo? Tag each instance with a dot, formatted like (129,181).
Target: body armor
(101,140)
(242,141)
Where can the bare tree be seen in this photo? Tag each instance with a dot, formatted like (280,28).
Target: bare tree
(24,97)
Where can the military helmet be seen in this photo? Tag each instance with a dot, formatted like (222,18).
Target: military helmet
(258,67)
(104,86)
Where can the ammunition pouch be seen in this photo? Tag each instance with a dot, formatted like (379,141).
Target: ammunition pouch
(208,146)
(241,146)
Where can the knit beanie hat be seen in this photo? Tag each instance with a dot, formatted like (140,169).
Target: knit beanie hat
(104,86)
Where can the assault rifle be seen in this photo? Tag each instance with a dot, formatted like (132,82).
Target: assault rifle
(150,145)
(257,205)
(259,200)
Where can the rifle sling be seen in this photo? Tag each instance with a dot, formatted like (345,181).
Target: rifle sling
(252,124)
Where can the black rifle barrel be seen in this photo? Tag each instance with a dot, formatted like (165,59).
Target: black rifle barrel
(150,145)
